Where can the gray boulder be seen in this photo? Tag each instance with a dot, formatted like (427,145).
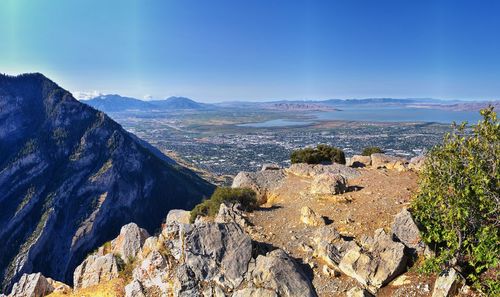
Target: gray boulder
(312,170)
(377,263)
(129,242)
(185,284)
(218,251)
(328,184)
(178,216)
(276,271)
(31,285)
(94,270)
(151,274)
(231,213)
(405,230)
(448,283)
(262,182)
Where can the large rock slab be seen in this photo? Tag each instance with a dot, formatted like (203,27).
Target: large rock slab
(94,270)
(447,284)
(128,244)
(150,276)
(406,230)
(218,251)
(178,216)
(328,184)
(32,285)
(377,263)
(231,213)
(312,170)
(262,182)
(278,272)
(360,161)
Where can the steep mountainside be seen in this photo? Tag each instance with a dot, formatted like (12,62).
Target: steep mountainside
(70,177)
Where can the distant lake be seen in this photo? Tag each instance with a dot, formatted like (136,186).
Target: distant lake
(388,114)
(374,114)
(275,123)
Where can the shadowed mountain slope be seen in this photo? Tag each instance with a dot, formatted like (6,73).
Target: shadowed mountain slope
(70,177)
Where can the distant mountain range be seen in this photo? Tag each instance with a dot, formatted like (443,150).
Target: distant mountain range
(117,103)
(70,177)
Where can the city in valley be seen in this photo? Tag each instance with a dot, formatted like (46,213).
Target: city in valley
(215,142)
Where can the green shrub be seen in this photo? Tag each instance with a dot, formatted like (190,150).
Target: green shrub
(458,201)
(210,207)
(322,153)
(368,151)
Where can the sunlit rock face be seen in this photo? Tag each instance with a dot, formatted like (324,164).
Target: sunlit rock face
(70,177)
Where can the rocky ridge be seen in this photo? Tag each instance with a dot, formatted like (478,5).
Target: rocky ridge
(233,255)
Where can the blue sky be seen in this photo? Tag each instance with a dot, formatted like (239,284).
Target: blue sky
(258,50)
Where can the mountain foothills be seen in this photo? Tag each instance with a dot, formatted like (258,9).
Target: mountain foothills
(70,178)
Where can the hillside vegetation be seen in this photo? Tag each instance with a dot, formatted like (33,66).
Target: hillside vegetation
(458,203)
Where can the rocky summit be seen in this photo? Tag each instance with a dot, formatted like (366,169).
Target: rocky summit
(70,178)
(300,243)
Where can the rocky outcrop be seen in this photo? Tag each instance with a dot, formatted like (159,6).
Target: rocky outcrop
(215,260)
(278,272)
(310,218)
(179,216)
(70,177)
(360,161)
(32,285)
(128,244)
(328,184)
(262,182)
(218,251)
(150,275)
(94,270)
(448,283)
(231,213)
(376,262)
(406,230)
(313,170)
(389,162)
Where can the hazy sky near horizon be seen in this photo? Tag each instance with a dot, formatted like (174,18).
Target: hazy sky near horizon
(258,50)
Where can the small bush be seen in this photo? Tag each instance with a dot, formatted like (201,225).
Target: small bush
(210,207)
(458,202)
(368,151)
(321,154)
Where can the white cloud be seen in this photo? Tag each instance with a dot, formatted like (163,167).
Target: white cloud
(147,97)
(84,95)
